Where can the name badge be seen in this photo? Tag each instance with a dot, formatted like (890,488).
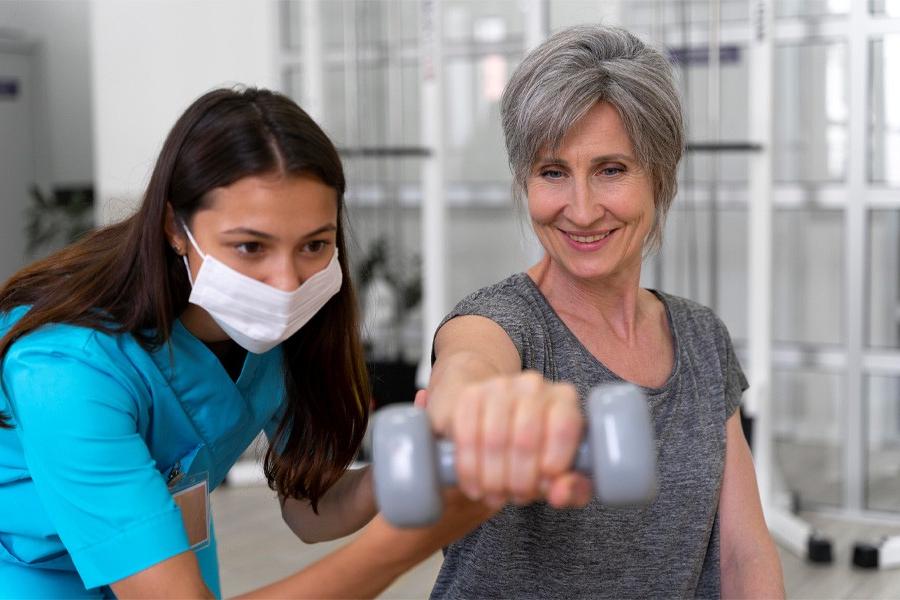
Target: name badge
(191,494)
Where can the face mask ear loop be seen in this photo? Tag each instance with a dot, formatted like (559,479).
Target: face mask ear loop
(196,247)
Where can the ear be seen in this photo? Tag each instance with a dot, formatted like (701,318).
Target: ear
(174,233)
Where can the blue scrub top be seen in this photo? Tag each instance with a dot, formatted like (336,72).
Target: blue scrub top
(99,423)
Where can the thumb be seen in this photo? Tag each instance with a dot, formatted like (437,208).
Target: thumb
(421,399)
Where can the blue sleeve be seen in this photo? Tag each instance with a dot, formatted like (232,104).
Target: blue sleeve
(77,417)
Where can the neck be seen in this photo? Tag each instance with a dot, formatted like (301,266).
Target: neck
(615,302)
(201,325)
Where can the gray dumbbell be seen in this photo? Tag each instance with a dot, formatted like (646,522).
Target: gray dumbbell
(411,466)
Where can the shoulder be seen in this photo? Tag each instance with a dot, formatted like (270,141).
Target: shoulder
(514,296)
(79,354)
(693,317)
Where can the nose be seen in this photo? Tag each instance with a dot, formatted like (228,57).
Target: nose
(585,206)
(286,277)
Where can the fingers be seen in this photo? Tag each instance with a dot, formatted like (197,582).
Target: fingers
(563,430)
(467,439)
(495,432)
(516,438)
(569,490)
(421,399)
(523,473)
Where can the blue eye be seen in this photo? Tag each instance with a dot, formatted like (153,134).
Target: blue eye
(611,171)
(551,173)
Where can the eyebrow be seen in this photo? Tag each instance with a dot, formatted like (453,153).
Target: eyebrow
(597,159)
(269,236)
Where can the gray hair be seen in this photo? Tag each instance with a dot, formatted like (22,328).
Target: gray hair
(559,81)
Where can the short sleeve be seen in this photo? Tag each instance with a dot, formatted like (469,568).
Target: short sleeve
(271,426)
(77,420)
(507,305)
(735,381)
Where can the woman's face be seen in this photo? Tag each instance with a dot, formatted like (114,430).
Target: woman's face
(277,229)
(591,203)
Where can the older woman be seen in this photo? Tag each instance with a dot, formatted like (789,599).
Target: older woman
(594,133)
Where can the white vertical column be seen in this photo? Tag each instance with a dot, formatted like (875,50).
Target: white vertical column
(758,399)
(537,28)
(433,209)
(855,260)
(313,60)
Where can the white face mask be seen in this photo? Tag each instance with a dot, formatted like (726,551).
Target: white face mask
(256,315)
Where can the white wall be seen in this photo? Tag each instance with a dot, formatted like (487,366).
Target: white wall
(59,29)
(151,59)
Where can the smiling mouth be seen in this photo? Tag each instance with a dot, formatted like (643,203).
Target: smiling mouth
(587,239)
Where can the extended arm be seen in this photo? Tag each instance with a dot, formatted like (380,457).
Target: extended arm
(361,569)
(345,508)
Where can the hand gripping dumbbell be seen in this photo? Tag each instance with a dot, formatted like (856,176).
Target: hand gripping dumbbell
(410,466)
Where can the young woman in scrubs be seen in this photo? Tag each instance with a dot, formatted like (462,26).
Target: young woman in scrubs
(140,362)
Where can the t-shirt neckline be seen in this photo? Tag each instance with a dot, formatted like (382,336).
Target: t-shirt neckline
(650,391)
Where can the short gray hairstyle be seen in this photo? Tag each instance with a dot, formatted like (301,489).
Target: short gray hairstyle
(562,79)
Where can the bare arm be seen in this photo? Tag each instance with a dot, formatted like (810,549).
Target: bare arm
(749,561)
(176,577)
(361,569)
(469,350)
(345,508)
(515,432)
(371,562)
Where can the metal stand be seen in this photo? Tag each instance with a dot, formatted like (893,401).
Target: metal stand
(884,554)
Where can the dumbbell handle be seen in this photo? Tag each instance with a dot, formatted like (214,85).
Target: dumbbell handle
(446,460)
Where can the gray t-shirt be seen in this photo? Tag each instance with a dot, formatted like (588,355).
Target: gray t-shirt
(667,549)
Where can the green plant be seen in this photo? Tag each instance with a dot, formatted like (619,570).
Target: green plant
(58,219)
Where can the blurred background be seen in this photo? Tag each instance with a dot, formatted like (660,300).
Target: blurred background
(409,92)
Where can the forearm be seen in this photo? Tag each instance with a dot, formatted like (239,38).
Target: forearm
(381,553)
(448,377)
(344,509)
(753,573)
(361,569)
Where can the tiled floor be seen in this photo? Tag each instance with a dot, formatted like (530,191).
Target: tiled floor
(255,547)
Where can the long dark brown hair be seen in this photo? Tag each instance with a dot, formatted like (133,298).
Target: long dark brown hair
(125,278)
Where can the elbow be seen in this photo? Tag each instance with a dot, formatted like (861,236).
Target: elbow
(306,534)
(308,538)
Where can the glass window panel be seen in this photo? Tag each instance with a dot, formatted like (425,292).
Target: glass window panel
(693,80)
(479,232)
(883,444)
(884,116)
(290,22)
(884,279)
(383,109)
(890,8)
(563,13)
(361,25)
(391,326)
(336,19)
(811,115)
(292,83)
(684,264)
(485,21)
(808,276)
(334,118)
(811,8)
(808,437)
(474,146)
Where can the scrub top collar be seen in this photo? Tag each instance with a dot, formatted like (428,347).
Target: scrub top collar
(220,408)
